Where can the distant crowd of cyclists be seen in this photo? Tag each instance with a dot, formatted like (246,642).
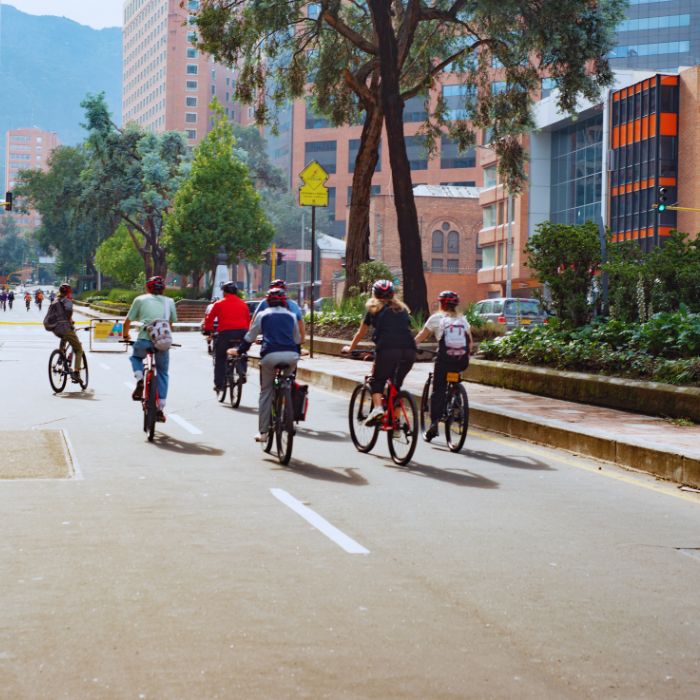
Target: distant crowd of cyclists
(279,323)
(8,298)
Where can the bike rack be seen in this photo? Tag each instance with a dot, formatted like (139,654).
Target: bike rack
(107,331)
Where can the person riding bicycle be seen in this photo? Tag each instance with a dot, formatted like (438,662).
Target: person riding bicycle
(291,305)
(453,333)
(395,350)
(59,320)
(148,308)
(27,300)
(280,345)
(3,299)
(39,298)
(232,319)
(10,299)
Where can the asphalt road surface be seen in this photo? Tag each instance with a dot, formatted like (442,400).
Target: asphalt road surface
(183,568)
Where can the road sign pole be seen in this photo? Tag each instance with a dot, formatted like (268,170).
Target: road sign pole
(313,278)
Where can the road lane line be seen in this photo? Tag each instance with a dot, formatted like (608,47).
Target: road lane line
(77,471)
(669,490)
(192,429)
(321,524)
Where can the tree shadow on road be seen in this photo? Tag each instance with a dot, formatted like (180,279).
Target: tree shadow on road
(330,436)
(450,475)
(509,460)
(347,475)
(171,444)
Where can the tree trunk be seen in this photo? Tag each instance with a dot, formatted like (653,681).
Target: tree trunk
(415,291)
(357,241)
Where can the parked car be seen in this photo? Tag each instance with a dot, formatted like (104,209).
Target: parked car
(512,312)
(253,306)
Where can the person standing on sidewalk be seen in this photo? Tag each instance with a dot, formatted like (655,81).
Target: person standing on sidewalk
(453,334)
(232,317)
(147,309)
(395,350)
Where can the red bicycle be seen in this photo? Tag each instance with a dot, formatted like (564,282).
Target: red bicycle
(400,421)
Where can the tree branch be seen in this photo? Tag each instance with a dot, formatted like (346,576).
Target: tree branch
(350,34)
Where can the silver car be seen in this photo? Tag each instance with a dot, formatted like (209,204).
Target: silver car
(512,312)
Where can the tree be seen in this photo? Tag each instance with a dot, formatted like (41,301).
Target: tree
(566,259)
(216,206)
(13,248)
(374,56)
(131,177)
(117,257)
(251,150)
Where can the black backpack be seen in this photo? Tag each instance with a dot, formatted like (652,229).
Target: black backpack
(54,315)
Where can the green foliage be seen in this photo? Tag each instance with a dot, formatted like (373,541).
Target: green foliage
(117,257)
(13,248)
(665,348)
(566,258)
(216,206)
(372,271)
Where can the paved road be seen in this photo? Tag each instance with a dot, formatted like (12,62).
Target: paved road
(178,570)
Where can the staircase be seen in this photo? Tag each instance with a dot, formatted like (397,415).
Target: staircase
(191,311)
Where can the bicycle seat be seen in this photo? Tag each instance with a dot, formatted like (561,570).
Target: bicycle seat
(282,365)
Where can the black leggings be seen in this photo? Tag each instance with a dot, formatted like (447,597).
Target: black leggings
(392,363)
(224,341)
(443,365)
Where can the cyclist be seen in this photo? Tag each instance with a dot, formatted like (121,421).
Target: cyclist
(453,333)
(395,347)
(39,298)
(291,305)
(52,296)
(280,345)
(3,299)
(147,308)
(232,319)
(59,320)
(27,300)
(10,299)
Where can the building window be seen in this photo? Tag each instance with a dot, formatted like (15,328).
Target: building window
(453,265)
(450,157)
(488,257)
(314,10)
(191,85)
(192,69)
(190,101)
(546,86)
(323,152)
(353,148)
(414,109)
(331,203)
(191,52)
(438,242)
(453,242)
(490,176)
(460,183)
(489,216)
(457,99)
(191,134)
(436,265)
(191,117)
(315,121)
(661,48)
(417,154)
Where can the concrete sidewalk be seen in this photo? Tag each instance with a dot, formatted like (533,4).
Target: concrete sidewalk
(635,441)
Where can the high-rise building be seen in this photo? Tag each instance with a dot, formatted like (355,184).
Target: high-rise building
(658,35)
(27,149)
(168,82)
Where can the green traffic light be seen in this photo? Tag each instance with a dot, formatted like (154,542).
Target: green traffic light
(661,207)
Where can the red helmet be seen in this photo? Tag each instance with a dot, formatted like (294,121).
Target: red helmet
(448,298)
(383,289)
(155,285)
(65,289)
(278,284)
(276,297)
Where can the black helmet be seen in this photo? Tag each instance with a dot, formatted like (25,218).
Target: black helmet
(448,298)
(383,289)
(229,287)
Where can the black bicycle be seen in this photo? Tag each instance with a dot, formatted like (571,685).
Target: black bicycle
(281,429)
(234,380)
(455,415)
(60,367)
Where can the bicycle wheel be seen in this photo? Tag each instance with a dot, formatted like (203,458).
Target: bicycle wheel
(150,408)
(271,429)
(221,394)
(363,437)
(84,373)
(403,438)
(236,391)
(285,425)
(425,405)
(457,420)
(57,371)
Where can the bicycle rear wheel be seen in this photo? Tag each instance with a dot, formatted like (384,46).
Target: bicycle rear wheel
(150,408)
(425,406)
(457,421)
(57,371)
(84,373)
(403,437)
(363,437)
(285,425)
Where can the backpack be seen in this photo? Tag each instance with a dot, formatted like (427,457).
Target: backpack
(55,319)
(160,332)
(455,339)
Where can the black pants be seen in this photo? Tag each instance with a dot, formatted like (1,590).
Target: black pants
(224,341)
(443,365)
(394,364)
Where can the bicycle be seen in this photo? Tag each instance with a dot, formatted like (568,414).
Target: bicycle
(400,421)
(149,397)
(281,429)
(455,414)
(60,363)
(234,380)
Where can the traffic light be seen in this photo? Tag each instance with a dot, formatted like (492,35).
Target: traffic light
(280,259)
(662,199)
(266,257)
(8,201)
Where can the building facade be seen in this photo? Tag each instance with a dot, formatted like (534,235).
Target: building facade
(27,149)
(168,83)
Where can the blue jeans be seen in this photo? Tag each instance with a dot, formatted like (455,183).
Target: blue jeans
(140,347)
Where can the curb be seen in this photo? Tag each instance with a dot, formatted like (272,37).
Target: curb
(663,464)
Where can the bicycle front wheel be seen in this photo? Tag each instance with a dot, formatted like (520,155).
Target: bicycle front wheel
(403,436)
(58,374)
(457,421)
(150,410)
(84,373)
(285,425)
(425,406)
(363,437)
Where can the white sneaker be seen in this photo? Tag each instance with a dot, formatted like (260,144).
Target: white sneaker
(261,437)
(375,415)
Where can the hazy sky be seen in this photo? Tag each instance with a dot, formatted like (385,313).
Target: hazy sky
(96,13)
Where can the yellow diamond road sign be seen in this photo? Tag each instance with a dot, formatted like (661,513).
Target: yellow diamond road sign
(313,193)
